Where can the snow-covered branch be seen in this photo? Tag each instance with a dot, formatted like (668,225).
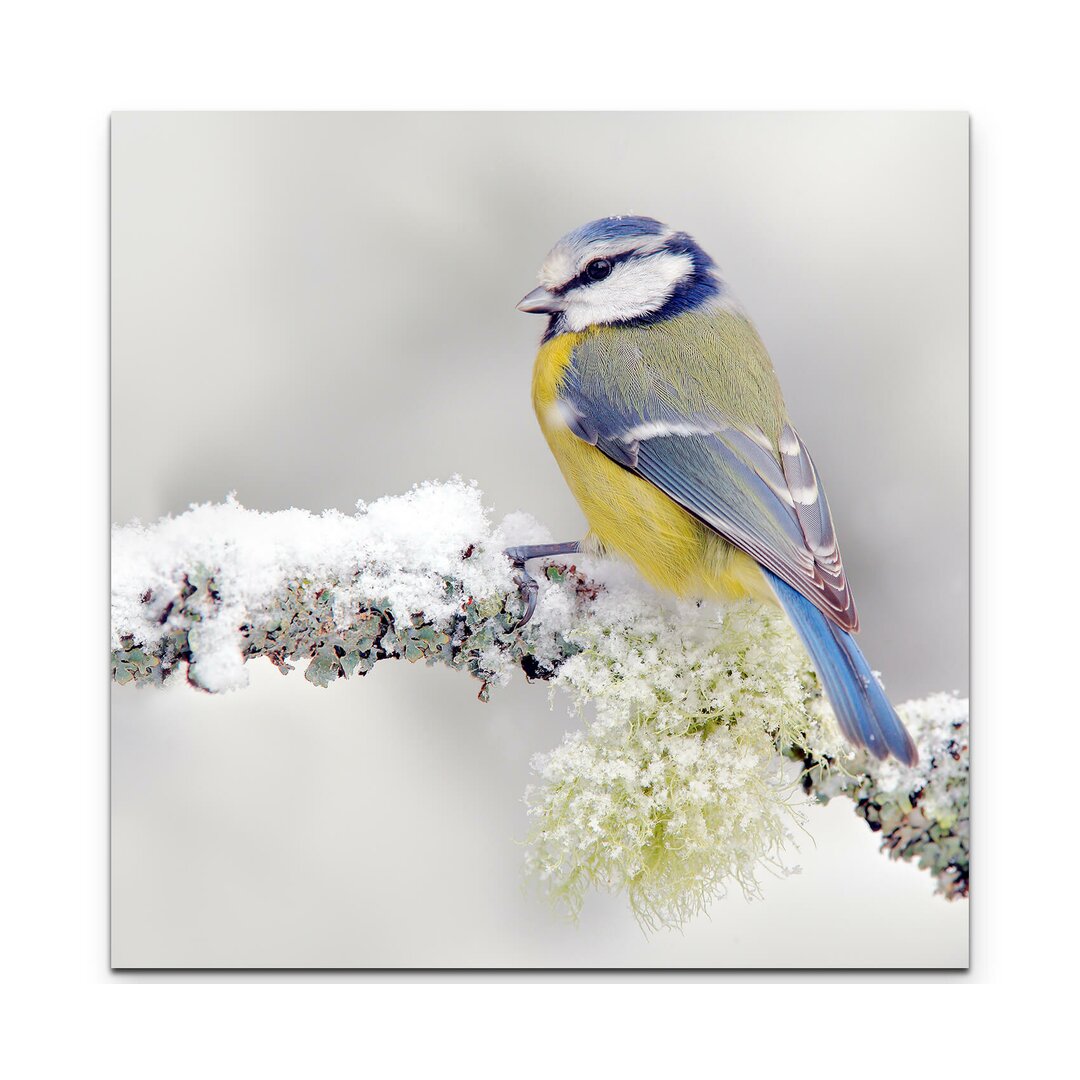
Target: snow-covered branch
(710,730)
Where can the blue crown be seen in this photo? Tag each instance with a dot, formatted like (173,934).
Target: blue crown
(612,228)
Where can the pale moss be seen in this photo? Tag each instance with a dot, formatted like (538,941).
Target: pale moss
(676,790)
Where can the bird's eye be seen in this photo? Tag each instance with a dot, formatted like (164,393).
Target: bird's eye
(598,269)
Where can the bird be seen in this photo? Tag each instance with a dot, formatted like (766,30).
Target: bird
(661,406)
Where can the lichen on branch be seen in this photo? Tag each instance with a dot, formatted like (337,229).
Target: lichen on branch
(710,734)
(418,576)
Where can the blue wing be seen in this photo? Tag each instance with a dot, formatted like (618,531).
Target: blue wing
(761,495)
(757,488)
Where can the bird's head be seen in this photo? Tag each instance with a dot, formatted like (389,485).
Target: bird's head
(622,270)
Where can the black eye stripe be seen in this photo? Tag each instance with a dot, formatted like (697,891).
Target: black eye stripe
(584,279)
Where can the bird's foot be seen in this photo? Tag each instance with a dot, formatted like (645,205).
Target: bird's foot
(528,587)
(526,583)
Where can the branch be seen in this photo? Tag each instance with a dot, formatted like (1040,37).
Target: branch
(923,814)
(416,577)
(710,729)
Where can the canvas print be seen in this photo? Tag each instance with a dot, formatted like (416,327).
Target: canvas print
(540,540)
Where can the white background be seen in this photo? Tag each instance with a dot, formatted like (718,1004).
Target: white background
(308,308)
(64,67)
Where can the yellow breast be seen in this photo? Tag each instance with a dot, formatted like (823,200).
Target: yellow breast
(630,517)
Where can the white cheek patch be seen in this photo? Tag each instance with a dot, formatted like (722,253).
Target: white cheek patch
(634,288)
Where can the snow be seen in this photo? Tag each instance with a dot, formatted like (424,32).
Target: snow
(398,549)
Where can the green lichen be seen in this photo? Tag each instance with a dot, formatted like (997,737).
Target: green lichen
(922,814)
(304,624)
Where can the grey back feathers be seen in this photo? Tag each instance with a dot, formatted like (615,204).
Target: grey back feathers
(695,410)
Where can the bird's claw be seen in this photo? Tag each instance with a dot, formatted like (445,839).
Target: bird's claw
(526,583)
(528,588)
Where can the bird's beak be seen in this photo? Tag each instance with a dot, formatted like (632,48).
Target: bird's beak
(541,301)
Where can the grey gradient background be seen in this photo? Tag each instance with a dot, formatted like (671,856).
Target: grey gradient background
(316,308)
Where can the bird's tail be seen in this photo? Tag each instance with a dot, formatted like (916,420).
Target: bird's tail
(866,718)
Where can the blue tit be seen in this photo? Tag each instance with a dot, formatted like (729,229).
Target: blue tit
(661,406)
